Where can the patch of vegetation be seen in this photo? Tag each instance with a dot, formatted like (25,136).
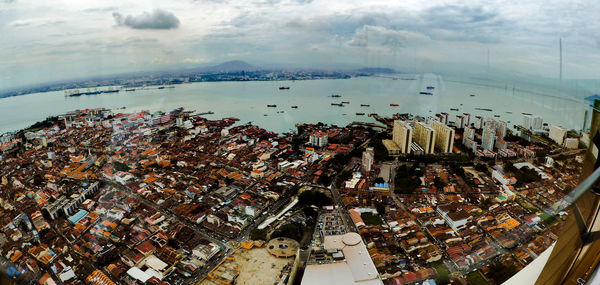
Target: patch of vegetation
(119,166)
(475,278)
(371,219)
(524,175)
(501,272)
(291,230)
(314,197)
(443,274)
(407,179)
(258,234)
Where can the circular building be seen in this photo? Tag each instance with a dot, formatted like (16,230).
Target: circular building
(282,247)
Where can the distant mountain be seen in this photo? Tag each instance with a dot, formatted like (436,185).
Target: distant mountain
(376,70)
(229,66)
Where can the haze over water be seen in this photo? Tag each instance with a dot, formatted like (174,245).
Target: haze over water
(248,101)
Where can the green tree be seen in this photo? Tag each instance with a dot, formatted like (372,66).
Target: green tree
(258,234)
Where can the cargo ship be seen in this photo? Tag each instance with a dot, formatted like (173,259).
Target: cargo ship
(360,114)
(394,105)
(335,96)
(484,109)
(129,90)
(528,114)
(272,106)
(284,88)
(337,104)
(453,109)
(425,93)
(365,105)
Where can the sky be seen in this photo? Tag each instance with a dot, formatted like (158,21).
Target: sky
(43,41)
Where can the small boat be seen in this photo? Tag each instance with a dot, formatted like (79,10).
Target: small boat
(528,114)
(265,115)
(497,116)
(280,112)
(284,88)
(484,109)
(337,104)
(472,95)
(453,109)
(345,102)
(335,96)
(461,104)
(425,93)
(430,87)
(161,87)
(294,107)
(129,90)
(360,114)
(394,105)
(365,105)
(272,106)
(508,112)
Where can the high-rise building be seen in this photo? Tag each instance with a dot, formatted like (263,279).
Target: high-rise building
(501,127)
(466,120)
(460,121)
(469,133)
(527,122)
(402,135)
(489,122)
(367,160)
(444,138)
(558,134)
(478,122)
(537,123)
(501,144)
(488,137)
(444,118)
(318,139)
(424,136)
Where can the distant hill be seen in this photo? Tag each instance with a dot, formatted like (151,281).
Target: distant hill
(376,70)
(229,66)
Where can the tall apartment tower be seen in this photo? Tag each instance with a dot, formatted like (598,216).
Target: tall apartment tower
(488,137)
(367,160)
(444,138)
(424,136)
(402,135)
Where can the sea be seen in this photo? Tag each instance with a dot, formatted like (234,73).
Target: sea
(248,100)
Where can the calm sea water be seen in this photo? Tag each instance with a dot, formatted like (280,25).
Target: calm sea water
(248,101)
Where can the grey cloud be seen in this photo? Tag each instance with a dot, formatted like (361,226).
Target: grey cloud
(156,20)
(100,10)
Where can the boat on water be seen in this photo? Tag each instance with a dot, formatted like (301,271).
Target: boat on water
(472,95)
(280,112)
(360,114)
(425,93)
(365,105)
(345,102)
(453,109)
(284,88)
(497,116)
(508,112)
(394,105)
(161,87)
(294,107)
(130,90)
(335,96)
(484,109)
(271,105)
(265,115)
(337,104)
(430,87)
(528,114)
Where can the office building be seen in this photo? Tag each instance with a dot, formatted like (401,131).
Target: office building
(488,138)
(444,139)
(424,136)
(367,160)
(558,134)
(402,135)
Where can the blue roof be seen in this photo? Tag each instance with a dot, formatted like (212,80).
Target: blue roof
(78,216)
(592,98)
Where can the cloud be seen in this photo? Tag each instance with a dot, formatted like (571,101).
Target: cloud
(36,22)
(100,9)
(156,20)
